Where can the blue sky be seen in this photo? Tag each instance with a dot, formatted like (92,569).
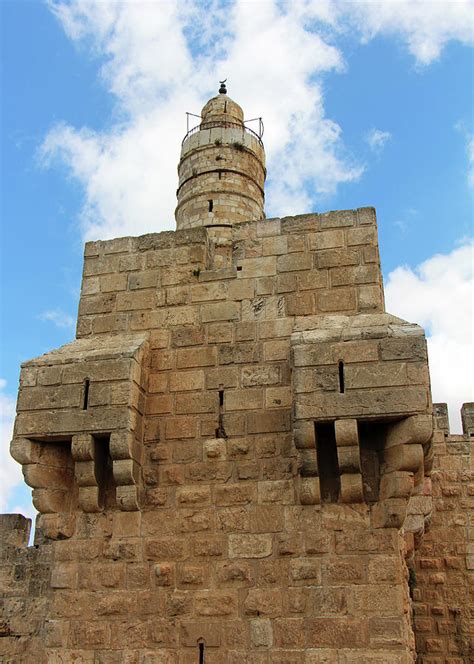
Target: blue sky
(363,103)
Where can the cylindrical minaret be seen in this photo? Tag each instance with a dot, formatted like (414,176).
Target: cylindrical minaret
(221,170)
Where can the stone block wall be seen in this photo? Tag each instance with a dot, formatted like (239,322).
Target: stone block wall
(442,577)
(185,522)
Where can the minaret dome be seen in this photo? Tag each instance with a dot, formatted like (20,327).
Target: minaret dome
(221,170)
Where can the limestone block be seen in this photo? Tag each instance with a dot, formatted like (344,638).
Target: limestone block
(192,633)
(397,484)
(123,445)
(127,498)
(389,513)
(270,421)
(370,298)
(246,399)
(347,433)
(382,401)
(261,633)
(263,602)
(82,447)
(309,490)
(56,526)
(326,240)
(415,429)
(337,258)
(89,498)
(337,299)
(196,357)
(51,500)
(294,262)
(349,459)
(304,435)
(126,472)
(260,375)
(250,546)
(351,486)
(25,451)
(220,311)
(40,476)
(404,457)
(256,267)
(14,529)
(85,473)
(408,348)
(185,380)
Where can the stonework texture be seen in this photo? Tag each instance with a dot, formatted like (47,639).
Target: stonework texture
(238,460)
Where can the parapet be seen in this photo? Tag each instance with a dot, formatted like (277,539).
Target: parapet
(467,419)
(14,530)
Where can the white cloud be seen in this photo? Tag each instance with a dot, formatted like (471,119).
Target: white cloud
(162,59)
(424,26)
(10,470)
(58,317)
(377,139)
(438,294)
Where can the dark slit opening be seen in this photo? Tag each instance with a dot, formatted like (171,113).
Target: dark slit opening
(85,400)
(341,377)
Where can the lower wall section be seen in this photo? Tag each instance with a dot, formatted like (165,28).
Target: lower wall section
(443,575)
(266,584)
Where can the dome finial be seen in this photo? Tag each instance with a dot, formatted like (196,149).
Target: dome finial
(223,89)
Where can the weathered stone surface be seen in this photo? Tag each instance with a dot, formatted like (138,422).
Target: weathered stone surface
(235,459)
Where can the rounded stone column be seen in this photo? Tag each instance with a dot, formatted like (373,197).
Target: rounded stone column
(221,170)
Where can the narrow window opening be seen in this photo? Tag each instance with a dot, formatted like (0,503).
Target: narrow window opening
(85,400)
(371,444)
(220,431)
(328,466)
(211,204)
(225,107)
(341,377)
(201,653)
(239,268)
(104,472)
(220,175)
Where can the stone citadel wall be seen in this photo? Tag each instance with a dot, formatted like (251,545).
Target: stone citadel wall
(189,505)
(443,566)
(232,462)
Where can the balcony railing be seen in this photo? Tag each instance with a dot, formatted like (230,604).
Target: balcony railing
(228,125)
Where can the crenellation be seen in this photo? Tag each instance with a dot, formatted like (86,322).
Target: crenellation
(238,456)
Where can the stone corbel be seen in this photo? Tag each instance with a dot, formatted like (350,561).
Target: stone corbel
(347,442)
(125,453)
(87,472)
(308,488)
(406,444)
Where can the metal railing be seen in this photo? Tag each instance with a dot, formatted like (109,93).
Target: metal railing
(226,125)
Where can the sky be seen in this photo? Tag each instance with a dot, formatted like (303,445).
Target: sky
(364,103)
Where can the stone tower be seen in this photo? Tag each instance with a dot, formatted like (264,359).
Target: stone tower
(231,462)
(221,170)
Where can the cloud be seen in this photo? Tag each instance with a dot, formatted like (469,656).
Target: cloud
(58,317)
(161,59)
(10,470)
(425,27)
(377,139)
(441,300)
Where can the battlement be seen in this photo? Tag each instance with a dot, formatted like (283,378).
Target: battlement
(14,530)
(467,418)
